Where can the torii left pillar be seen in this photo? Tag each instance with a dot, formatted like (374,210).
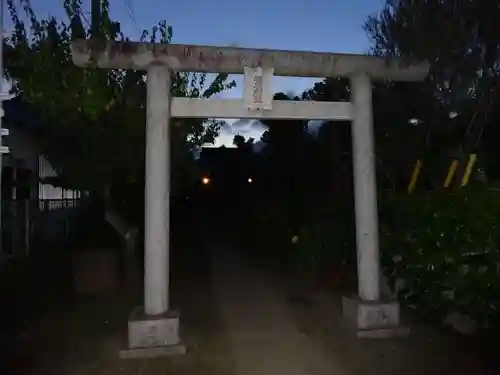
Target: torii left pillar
(153,330)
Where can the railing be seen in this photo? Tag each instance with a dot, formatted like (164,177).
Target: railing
(30,225)
(56,204)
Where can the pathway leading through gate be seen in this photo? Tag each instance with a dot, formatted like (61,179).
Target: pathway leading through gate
(264,337)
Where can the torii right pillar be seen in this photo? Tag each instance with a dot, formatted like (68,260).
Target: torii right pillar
(374,315)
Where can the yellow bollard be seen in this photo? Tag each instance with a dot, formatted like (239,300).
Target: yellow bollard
(451,173)
(414,176)
(468,169)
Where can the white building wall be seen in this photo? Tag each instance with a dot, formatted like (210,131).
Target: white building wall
(48,191)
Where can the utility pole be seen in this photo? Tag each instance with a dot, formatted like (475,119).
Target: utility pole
(3,132)
(96,17)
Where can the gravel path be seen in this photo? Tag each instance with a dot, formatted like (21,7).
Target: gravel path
(264,337)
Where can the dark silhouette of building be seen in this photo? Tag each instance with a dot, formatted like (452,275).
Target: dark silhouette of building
(227,177)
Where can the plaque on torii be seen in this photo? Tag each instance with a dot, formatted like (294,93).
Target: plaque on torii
(258,94)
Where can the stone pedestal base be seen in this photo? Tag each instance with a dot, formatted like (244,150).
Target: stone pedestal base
(373,319)
(153,336)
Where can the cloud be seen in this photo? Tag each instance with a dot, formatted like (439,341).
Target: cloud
(226,127)
(250,128)
(258,126)
(313,126)
(242,123)
(245,127)
(243,131)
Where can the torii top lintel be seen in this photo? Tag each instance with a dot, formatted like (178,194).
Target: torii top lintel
(231,60)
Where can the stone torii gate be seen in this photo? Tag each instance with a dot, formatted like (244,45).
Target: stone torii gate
(153,330)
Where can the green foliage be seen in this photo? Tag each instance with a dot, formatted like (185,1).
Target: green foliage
(312,236)
(461,40)
(398,143)
(99,113)
(445,246)
(326,241)
(273,225)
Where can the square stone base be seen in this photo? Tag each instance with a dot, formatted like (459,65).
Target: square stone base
(153,335)
(372,319)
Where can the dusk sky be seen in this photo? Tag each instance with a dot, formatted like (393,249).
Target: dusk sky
(314,25)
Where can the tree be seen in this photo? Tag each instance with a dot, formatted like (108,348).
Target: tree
(285,142)
(333,142)
(100,113)
(240,142)
(461,39)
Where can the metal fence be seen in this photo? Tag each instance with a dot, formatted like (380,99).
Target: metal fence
(31,225)
(46,205)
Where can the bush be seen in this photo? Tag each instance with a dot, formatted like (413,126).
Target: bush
(273,227)
(445,248)
(325,241)
(308,235)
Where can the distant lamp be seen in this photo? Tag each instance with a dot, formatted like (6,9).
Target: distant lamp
(250,180)
(205,180)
